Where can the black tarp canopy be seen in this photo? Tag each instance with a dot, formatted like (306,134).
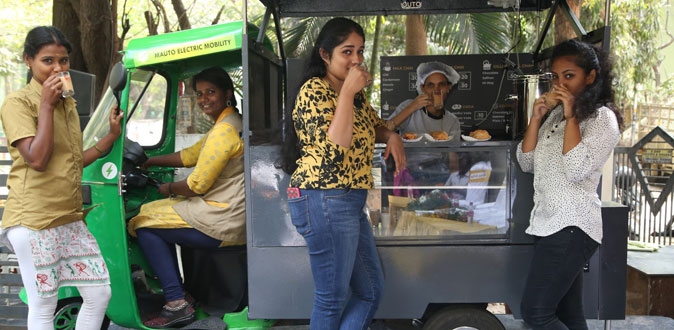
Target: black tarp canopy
(307,8)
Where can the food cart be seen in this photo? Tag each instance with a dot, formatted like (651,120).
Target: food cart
(443,260)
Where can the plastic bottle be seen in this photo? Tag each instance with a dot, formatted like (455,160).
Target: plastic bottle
(471,213)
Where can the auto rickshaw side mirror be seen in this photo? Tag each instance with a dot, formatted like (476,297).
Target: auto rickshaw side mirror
(117,80)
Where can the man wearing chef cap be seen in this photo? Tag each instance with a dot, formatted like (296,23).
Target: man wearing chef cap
(426,113)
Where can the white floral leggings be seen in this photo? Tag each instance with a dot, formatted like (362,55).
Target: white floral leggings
(41,309)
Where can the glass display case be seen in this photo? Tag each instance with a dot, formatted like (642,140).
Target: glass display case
(447,192)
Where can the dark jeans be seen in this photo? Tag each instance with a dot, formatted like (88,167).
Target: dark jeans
(345,265)
(553,296)
(158,245)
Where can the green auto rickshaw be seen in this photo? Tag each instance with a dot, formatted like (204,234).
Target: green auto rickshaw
(161,116)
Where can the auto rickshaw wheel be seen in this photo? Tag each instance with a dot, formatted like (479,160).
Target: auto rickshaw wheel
(66,313)
(463,318)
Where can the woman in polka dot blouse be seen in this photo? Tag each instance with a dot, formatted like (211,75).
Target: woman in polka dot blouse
(206,210)
(572,132)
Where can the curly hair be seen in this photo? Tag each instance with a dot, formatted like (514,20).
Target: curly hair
(600,92)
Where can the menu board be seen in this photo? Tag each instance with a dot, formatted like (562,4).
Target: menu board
(481,99)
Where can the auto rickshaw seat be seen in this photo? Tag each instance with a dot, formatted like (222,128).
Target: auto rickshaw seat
(217,278)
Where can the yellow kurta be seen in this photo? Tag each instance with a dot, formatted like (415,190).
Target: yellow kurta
(209,156)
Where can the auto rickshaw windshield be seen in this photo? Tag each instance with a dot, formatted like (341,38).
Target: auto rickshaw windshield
(99,124)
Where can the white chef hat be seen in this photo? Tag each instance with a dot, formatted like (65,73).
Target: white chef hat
(428,68)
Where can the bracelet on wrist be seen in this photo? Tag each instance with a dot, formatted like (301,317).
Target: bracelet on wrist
(390,124)
(171,194)
(97,149)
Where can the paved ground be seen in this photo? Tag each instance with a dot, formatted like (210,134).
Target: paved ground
(631,323)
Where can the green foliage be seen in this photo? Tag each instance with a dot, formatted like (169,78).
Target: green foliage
(480,33)
(16,19)
(635,26)
(635,29)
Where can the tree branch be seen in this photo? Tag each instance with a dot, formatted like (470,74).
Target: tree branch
(151,24)
(183,20)
(161,12)
(671,37)
(126,26)
(217,17)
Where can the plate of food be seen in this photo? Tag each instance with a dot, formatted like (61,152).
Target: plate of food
(477,135)
(411,137)
(438,136)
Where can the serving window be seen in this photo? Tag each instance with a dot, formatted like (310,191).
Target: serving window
(448,192)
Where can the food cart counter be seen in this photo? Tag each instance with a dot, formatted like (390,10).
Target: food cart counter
(432,249)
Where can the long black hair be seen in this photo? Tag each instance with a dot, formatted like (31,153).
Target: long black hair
(600,92)
(41,36)
(218,77)
(332,34)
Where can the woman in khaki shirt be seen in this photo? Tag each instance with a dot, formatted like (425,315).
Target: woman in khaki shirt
(42,220)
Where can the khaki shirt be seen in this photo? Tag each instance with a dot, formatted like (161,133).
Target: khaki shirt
(39,200)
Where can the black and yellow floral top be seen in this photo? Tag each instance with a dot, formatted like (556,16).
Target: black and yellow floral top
(322,163)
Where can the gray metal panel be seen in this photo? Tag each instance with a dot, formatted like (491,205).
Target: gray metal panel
(11,280)
(282,286)
(13,312)
(305,8)
(270,218)
(613,256)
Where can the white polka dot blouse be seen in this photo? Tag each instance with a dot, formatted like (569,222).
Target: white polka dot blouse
(565,186)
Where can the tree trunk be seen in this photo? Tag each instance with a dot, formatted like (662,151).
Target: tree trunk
(88,26)
(66,19)
(183,20)
(415,35)
(563,30)
(97,40)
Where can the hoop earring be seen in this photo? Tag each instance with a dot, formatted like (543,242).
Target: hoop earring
(229,103)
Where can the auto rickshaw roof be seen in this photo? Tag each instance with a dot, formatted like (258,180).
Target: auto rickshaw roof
(306,8)
(187,44)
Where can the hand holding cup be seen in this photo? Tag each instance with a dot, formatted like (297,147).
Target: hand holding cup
(550,100)
(67,87)
(438,100)
(357,78)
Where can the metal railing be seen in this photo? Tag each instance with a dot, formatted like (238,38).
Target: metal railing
(13,311)
(643,181)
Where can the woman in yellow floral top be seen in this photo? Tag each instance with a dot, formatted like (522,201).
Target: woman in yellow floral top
(206,210)
(336,130)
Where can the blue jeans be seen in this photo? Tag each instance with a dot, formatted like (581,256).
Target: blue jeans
(345,266)
(553,295)
(158,245)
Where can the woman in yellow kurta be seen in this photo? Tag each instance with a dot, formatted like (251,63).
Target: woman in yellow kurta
(207,209)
